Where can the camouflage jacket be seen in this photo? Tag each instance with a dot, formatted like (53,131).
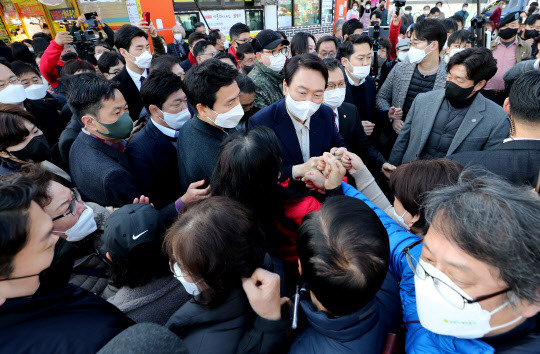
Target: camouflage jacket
(269,85)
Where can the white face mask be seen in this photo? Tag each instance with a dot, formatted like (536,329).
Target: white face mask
(277,62)
(301,109)
(176,120)
(401,221)
(439,316)
(465,9)
(445,45)
(178,36)
(191,288)
(416,55)
(455,51)
(403,57)
(226,44)
(83,227)
(334,98)
(426,12)
(407,12)
(229,119)
(144,60)
(359,72)
(98,56)
(36,91)
(13,94)
(355,7)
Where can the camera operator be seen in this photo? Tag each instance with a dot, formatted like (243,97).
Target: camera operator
(95,27)
(53,59)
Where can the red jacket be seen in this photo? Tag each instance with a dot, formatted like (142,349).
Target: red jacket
(393,38)
(49,61)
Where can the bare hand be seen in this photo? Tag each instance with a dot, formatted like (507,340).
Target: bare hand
(354,161)
(262,290)
(80,20)
(193,194)
(63,38)
(301,170)
(336,173)
(397,124)
(338,152)
(142,200)
(142,24)
(530,41)
(136,128)
(396,19)
(368,127)
(387,169)
(314,181)
(395,113)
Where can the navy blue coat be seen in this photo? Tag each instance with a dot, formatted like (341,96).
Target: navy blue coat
(102,173)
(518,161)
(322,133)
(366,103)
(130,92)
(70,320)
(363,331)
(153,158)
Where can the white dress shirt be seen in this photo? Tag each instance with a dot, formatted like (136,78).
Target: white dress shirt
(171,133)
(512,139)
(302,133)
(351,81)
(137,77)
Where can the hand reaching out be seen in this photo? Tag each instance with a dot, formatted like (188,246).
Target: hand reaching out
(352,163)
(314,181)
(333,172)
(194,194)
(142,200)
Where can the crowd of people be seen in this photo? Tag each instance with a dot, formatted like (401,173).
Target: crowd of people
(239,194)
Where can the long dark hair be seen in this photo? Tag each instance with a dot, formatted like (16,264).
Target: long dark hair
(248,171)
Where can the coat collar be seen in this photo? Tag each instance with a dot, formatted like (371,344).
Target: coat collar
(470,121)
(100,146)
(273,76)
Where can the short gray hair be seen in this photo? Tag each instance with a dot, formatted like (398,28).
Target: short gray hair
(339,24)
(494,222)
(333,64)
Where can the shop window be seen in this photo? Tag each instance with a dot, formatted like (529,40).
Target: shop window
(299,13)
(188,21)
(254,19)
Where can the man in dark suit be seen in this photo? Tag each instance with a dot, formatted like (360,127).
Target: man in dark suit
(99,167)
(152,151)
(132,43)
(518,157)
(178,48)
(305,129)
(212,91)
(348,121)
(361,91)
(193,39)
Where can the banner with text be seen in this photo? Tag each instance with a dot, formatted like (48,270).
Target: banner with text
(223,20)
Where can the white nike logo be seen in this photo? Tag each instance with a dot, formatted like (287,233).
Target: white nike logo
(139,235)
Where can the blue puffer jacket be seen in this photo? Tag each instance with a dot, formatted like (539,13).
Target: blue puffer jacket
(419,339)
(361,331)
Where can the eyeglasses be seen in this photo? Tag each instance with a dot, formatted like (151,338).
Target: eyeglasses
(451,295)
(114,73)
(72,208)
(334,86)
(211,54)
(275,52)
(242,41)
(171,267)
(12,80)
(327,55)
(416,42)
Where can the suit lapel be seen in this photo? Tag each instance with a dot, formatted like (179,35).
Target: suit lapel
(404,84)
(471,120)
(346,120)
(118,156)
(287,134)
(429,113)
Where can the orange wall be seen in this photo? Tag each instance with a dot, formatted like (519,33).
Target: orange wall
(164,10)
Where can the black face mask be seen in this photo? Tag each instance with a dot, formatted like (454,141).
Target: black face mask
(457,95)
(530,34)
(37,150)
(248,68)
(508,33)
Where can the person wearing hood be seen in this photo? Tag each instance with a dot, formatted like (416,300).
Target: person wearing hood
(508,49)
(350,300)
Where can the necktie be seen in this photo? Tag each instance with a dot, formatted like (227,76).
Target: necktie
(142,79)
(335,122)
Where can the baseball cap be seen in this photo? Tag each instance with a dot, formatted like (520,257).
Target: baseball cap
(403,44)
(268,39)
(512,16)
(130,226)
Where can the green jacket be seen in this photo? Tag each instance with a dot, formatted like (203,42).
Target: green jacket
(269,85)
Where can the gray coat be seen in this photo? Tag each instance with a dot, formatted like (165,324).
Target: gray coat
(394,90)
(484,126)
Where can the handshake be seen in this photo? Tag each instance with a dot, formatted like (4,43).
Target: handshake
(326,172)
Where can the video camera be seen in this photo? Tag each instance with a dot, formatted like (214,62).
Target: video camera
(398,4)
